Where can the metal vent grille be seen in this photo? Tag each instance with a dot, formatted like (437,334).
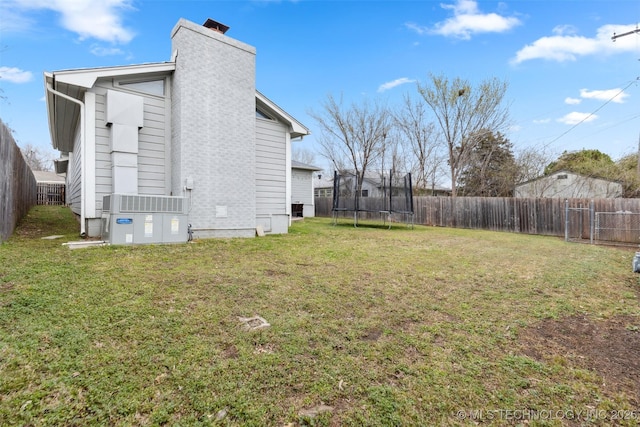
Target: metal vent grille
(106,204)
(159,204)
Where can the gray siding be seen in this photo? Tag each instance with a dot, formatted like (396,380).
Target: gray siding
(302,191)
(74,189)
(301,186)
(270,167)
(572,186)
(153,145)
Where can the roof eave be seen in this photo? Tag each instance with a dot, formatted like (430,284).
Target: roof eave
(84,79)
(297,129)
(87,77)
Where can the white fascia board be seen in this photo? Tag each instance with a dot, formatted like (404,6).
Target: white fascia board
(48,80)
(87,77)
(297,128)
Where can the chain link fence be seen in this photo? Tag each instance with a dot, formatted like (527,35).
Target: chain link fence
(619,227)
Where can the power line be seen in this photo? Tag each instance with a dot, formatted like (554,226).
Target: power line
(591,114)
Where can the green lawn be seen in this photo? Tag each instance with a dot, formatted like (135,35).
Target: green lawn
(381,327)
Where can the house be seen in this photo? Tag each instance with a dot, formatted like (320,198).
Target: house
(323,185)
(566,184)
(302,191)
(374,184)
(194,128)
(47,177)
(50,188)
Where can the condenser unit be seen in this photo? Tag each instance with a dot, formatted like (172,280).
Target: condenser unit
(129,219)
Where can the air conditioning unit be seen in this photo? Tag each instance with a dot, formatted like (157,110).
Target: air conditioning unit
(129,219)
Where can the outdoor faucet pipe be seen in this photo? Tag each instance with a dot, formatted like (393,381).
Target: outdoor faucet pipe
(83,231)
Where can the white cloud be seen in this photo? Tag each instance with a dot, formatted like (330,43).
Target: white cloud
(566,45)
(575,117)
(12,20)
(394,83)
(564,30)
(615,95)
(467,20)
(98,19)
(15,75)
(572,101)
(106,51)
(417,28)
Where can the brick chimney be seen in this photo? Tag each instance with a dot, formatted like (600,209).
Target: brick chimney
(216,26)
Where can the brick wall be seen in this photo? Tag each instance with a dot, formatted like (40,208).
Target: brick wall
(213,130)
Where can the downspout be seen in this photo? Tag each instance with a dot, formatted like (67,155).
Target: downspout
(83,153)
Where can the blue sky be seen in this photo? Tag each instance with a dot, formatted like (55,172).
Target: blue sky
(570,85)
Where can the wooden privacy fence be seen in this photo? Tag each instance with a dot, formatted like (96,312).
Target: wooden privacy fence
(17,184)
(519,215)
(51,194)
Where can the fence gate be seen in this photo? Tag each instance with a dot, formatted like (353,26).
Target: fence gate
(579,223)
(620,227)
(51,194)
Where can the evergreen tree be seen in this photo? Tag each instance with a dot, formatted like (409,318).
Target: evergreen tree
(491,170)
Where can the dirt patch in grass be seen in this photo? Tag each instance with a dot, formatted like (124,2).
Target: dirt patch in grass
(610,348)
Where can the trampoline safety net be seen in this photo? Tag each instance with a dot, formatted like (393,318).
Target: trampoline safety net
(388,194)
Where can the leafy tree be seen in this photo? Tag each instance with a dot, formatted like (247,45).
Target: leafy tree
(491,170)
(585,162)
(630,174)
(462,111)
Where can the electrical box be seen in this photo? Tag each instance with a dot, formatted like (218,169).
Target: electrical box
(129,219)
(188,184)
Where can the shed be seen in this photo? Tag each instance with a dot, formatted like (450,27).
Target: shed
(302,191)
(566,184)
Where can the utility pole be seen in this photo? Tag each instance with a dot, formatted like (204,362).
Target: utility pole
(638,168)
(616,36)
(628,33)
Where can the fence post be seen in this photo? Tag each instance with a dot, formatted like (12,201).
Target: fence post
(566,220)
(591,220)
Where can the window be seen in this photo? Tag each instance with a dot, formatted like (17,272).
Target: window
(323,192)
(262,115)
(563,176)
(152,87)
(365,193)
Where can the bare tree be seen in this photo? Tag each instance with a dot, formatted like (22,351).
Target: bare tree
(532,162)
(353,137)
(462,111)
(423,144)
(37,159)
(303,155)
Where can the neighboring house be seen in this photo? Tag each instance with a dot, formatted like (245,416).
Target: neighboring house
(323,185)
(302,192)
(566,184)
(194,127)
(46,177)
(374,185)
(50,188)
(433,189)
